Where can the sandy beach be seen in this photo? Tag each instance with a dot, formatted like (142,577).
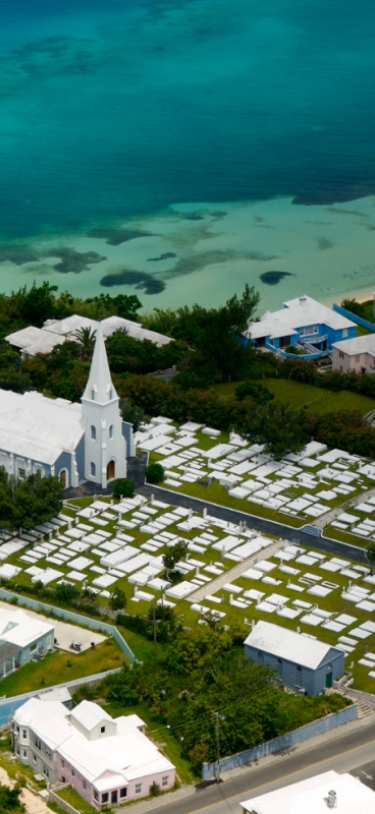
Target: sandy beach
(206,252)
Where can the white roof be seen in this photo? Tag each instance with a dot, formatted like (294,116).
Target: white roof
(37,427)
(69,325)
(297,313)
(49,721)
(89,715)
(309,796)
(61,694)
(134,330)
(287,644)
(16,627)
(131,755)
(359,344)
(122,757)
(34,340)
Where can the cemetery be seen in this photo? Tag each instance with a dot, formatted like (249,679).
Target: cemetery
(301,489)
(230,572)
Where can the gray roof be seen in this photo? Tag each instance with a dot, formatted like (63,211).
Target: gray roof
(288,645)
(7,650)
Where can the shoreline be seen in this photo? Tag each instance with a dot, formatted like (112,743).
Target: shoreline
(206,252)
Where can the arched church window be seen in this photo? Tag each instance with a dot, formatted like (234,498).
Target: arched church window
(92,469)
(111,394)
(93,432)
(92,394)
(111,431)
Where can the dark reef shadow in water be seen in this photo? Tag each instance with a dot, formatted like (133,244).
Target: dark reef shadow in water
(324,244)
(17,254)
(73,261)
(165,256)
(115,236)
(274,277)
(140,279)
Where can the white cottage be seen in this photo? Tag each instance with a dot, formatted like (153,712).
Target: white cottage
(76,442)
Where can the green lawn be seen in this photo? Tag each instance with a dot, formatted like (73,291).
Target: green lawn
(70,796)
(298,394)
(62,666)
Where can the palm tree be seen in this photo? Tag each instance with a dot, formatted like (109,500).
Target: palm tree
(85,338)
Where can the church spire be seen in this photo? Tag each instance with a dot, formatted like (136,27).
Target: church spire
(99,385)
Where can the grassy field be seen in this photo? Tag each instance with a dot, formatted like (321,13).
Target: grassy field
(297,394)
(60,666)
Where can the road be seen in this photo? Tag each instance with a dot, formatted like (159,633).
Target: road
(349,751)
(260,524)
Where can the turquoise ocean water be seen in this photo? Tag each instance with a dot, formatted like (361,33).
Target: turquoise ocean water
(113,112)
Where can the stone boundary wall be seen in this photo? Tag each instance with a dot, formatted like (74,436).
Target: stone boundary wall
(8,706)
(54,798)
(275,745)
(68,616)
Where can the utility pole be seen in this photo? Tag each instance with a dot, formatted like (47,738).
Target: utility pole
(155,622)
(218,718)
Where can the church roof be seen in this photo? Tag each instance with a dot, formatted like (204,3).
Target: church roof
(99,385)
(37,427)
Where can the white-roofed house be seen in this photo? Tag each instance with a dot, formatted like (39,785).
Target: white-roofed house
(316,795)
(107,760)
(299,660)
(356,355)
(22,637)
(302,322)
(76,442)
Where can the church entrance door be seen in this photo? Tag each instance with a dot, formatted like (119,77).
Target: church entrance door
(63,479)
(111,470)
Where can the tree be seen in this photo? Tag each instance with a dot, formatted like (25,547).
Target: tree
(132,413)
(38,304)
(278,426)
(173,556)
(117,600)
(36,500)
(370,554)
(10,800)
(85,338)
(122,487)
(154,473)
(66,593)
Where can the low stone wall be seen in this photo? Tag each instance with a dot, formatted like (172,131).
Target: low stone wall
(275,745)
(55,798)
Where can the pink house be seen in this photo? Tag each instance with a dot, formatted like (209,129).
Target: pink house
(106,760)
(354,355)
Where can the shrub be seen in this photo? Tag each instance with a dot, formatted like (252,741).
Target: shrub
(154,789)
(124,487)
(154,473)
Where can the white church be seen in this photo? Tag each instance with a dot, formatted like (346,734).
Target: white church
(75,442)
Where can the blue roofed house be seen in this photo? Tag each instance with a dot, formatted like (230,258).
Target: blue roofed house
(304,323)
(300,661)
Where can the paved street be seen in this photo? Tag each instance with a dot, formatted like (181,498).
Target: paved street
(345,750)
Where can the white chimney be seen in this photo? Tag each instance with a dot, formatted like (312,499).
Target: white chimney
(331,800)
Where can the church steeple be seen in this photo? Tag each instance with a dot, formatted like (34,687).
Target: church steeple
(99,385)
(105,447)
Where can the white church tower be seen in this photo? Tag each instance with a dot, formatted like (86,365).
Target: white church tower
(105,445)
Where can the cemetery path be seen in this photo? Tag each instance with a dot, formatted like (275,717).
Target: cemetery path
(327,518)
(235,572)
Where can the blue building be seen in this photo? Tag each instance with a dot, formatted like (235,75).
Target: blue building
(304,323)
(301,662)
